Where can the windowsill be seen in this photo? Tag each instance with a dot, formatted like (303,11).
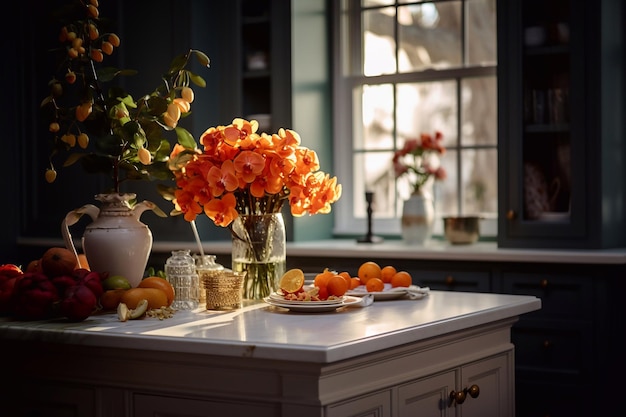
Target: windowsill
(396,249)
(437,250)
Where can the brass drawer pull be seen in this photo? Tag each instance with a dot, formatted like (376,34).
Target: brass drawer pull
(450,281)
(458,397)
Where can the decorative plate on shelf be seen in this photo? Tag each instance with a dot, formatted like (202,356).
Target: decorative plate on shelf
(313,306)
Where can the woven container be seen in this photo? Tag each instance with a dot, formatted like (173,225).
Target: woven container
(223,289)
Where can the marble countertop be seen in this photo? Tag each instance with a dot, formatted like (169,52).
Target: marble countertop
(263,331)
(396,249)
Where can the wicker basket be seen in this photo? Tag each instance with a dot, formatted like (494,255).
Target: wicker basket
(223,289)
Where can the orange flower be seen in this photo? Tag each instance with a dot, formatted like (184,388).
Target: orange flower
(222,211)
(306,161)
(222,179)
(185,202)
(249,165)
(240,171)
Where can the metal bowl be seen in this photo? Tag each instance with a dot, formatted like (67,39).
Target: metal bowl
(461,230)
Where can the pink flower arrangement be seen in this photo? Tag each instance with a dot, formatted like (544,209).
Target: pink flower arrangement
(418,160)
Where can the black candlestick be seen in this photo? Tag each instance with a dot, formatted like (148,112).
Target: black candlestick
(369,237)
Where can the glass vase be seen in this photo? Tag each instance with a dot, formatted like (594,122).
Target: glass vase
(259,249)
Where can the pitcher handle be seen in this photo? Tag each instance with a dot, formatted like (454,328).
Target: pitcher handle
(71,219)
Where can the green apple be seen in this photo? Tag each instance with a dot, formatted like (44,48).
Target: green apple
(115,282)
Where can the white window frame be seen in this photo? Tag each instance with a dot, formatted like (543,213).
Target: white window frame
(346,224)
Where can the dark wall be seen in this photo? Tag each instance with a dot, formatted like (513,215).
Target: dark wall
(152,32)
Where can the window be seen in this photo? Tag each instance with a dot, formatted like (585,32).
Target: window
(407,67)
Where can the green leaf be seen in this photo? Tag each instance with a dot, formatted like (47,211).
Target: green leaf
(163,151)
(45,101)
(166,192)
(128,101)
(185,138)
(178,63)
(71,160)
(110,144)
(156,105)
(107,73)
(202,58)
(197,80)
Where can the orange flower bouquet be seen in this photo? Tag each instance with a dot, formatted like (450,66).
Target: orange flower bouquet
(240,180)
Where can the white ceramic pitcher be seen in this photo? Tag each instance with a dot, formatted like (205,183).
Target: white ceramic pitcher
(116,241)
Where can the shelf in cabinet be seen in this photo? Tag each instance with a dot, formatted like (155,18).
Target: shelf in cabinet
(547,128)
(563,49)
(255,20)
(257,74)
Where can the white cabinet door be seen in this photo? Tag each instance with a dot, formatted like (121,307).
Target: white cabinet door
(493,378)
(427,397)
(158,406)
(431,396)
(377,404)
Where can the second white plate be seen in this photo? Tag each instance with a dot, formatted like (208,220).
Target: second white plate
(388,293)
(314,307)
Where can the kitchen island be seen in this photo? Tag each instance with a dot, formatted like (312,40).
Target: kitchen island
(391,358)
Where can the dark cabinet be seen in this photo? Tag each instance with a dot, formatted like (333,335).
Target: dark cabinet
(258,86)
(561,112)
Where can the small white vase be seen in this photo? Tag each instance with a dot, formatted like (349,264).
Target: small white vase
(418,216)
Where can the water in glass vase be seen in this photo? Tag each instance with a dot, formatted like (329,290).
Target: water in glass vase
(261,278)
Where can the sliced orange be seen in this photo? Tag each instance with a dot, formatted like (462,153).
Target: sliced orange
(292,281)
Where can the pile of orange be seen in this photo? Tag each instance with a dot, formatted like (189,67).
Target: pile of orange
(370,274)
(158,291)
(331,283)
(374,277)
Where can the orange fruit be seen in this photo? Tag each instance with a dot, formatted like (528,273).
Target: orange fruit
(321,279)
(161,284)
(34,266)
(354,282)
(322,293)
(292,281)
(347,277)
(337,286)
(375,285)
(156,297)
(367,270)
(110,299)
(58,261)
(387,272)
(401,279)
(82,261)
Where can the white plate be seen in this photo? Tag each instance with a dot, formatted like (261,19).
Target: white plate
(388,293)
(279,298)
(312,306)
